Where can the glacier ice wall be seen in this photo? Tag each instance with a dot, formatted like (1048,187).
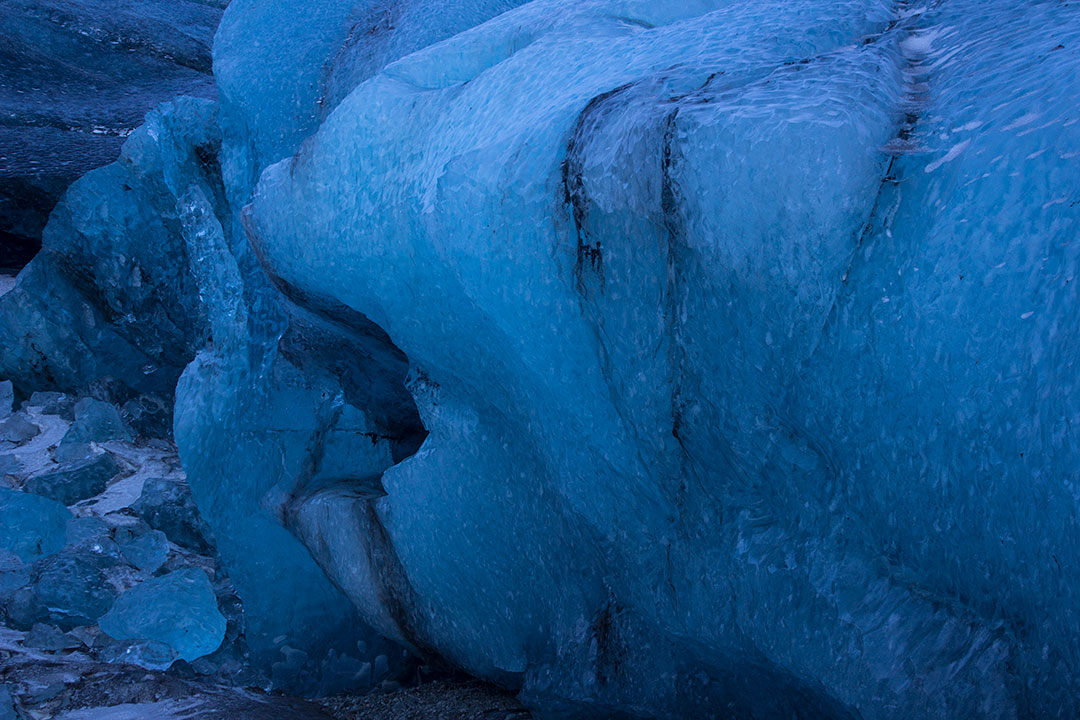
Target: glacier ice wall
(298,397)
(742,333)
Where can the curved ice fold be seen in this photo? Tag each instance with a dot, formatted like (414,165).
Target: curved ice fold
(732,326)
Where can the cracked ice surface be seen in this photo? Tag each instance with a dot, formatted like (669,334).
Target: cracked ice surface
(743,333)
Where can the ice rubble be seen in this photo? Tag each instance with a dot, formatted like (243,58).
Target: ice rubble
(649,358)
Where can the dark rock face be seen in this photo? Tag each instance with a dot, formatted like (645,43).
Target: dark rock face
(76,77)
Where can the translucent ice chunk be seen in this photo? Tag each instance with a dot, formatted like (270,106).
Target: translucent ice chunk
(178,609)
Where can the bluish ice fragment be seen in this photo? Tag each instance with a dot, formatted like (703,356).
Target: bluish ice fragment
(31,526)
(54,403)
(7,704)
(147,550)
(178,609)
(96,421)
(9,465)
(73,452)
(14,574)
(86,528)
(76,481)
(110,301)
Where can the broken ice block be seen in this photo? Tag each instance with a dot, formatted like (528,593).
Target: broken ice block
(67,590)
(178,609)
(166,505)
(149,654)
(17,429)
(7,398)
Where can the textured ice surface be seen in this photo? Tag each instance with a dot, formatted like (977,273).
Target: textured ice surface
(178,609)
(76,77)
(110,301)
(7,398)
(146,550)
(743,333)
(291,379)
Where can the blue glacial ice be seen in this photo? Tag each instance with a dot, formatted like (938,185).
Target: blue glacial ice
(31,526)
(109,302)
(741,333)
(178,609)
(652,359)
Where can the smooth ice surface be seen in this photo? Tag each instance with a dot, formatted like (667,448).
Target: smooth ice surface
(178,609)
(743,333)
(31,526)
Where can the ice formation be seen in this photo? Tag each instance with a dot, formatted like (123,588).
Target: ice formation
(150,611)
(654,359)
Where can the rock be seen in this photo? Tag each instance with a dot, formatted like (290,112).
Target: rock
(166,505)
(7,399)
(76,481)
(178,609)
(18,429)
(31,526)
(147,550)
(54,403)
(96,421)
(47,637)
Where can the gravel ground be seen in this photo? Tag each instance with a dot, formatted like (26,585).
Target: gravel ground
(470,700)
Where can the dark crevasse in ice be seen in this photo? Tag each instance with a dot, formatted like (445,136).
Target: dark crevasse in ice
(654,360)
(75,79)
